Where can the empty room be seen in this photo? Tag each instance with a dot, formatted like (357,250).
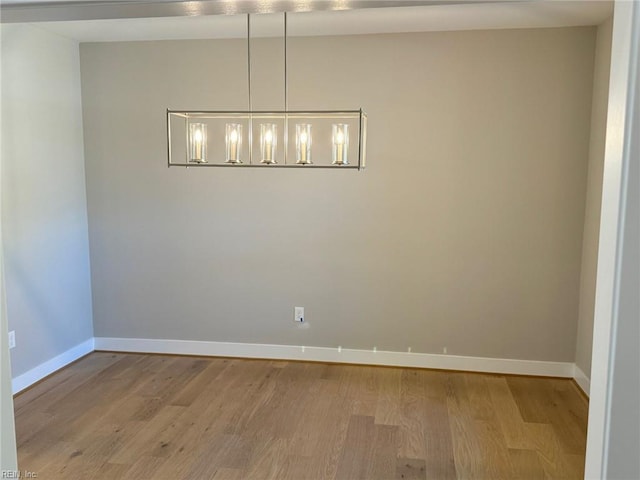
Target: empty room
(325,239)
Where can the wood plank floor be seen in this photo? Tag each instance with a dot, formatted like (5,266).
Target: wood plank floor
(134,416)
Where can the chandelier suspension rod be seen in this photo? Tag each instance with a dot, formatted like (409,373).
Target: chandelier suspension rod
(249,58)
(286,94)
(249,87)
(286,80)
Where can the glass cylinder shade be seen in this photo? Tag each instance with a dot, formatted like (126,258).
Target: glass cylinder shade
(268,142)
(197,143)
(340,137)
(303,143)
(233,143)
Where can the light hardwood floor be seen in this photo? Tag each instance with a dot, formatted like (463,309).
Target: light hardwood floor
(119,416)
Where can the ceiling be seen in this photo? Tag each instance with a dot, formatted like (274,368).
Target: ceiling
(437,17)
(66,10)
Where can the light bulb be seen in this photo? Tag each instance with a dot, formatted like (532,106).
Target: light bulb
(303,144)
(198,143)
(268,142)
(233,147)
(340,143)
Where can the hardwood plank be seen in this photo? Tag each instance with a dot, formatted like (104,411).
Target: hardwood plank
(568,420)
(31,424)
(202,422)
(439,457)
(479,398)
(207,461)
(318,406)
(295,467)
(166,417)
(388,401)
(411,469)
(555,463)
(525,465)
(273,398)
(331,431)
(146,438)
(363,390)
(112,470)
(192,390)
(44,462)
(513,426)
(63,381)
(495,455)
(144,467)
(574,464)
(357,453)
(412,423)
(268,459)
(49,392)
(532,398)
(229,474)
(385,448)
(549,401)
(107,439)
(116,408)
(467,447)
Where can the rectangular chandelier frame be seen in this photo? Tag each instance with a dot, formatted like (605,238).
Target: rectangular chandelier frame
(332,126)
(321,138)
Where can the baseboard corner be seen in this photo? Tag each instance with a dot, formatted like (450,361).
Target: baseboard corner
(27,379)
(581,380)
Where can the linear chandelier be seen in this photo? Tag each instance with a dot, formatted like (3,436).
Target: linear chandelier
(258,138)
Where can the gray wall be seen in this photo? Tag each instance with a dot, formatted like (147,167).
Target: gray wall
(624,428)
(44,217)
(8,455)
(465,231)
(584,341)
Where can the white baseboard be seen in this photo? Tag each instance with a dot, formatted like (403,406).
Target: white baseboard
(27,379)
(582,380)
(334,355)
(314,354)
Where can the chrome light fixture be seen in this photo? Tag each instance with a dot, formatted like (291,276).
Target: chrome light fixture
(322,137)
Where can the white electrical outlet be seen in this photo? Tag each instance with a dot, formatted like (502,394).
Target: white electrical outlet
(298,314)
(12,339)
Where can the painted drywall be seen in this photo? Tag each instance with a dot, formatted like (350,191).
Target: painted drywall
(622,89)
(44,217)
(624,417)
(584,340)
(464,232)
(8,453)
